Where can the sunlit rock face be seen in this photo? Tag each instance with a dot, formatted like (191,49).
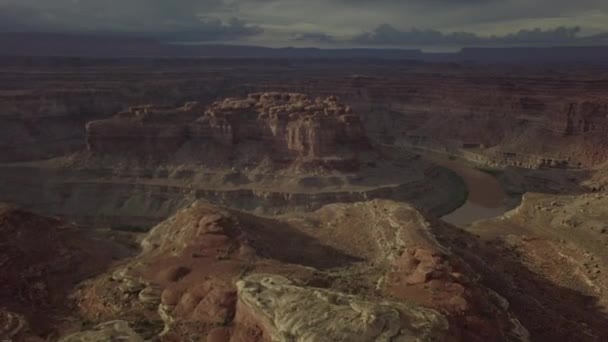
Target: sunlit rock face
(109,331)
(285,311)
(287,121)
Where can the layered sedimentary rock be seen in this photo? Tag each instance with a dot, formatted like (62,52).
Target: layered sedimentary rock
(555,135)
(279,126)
(284,310)
(375,268)
(212,272)
(267,153)
(123,192)
(109,331)
(291,122)
(511,116)
(144,129)
(530,118)
(45,104)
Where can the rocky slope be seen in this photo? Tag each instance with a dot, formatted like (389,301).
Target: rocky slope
(377,265)
(285,311)
(550,258)
(368,270)
(42,259)
(108,331)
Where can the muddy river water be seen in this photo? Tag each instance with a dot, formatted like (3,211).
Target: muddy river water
(486,196)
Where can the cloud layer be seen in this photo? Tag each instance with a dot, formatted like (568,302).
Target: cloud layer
(323,22)
(387,35)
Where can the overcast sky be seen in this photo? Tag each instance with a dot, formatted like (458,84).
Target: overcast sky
(325,23)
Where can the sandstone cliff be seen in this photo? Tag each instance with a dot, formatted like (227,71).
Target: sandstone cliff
(530,117)
(280,126)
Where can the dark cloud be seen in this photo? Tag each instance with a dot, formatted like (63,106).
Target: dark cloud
(320,22)
(321,38)
(17,18)
(212,29)
(175,20)
(386,34)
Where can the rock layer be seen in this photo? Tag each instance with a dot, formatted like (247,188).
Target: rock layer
(109,331)
(280,126)
(286,311)
(208,267)
(512,116)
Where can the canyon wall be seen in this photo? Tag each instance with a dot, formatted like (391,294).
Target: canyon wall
(281,126)
(526,116)
(44,108)
(541,119)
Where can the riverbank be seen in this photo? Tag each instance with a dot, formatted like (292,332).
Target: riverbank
(485,199)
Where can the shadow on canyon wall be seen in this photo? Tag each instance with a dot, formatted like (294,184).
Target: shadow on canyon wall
(549,311)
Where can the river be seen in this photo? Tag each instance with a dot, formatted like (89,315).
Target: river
(486,197)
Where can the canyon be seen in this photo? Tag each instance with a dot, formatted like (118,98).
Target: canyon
(302,200)
(268,153)
(490,114)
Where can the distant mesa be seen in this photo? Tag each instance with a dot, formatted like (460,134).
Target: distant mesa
(282,126)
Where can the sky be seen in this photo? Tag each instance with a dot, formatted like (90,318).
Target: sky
(426,24)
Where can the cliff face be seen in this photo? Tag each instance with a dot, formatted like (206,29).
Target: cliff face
(143,129)
(289,122)
(529,118)
(515,116)
(45,105)
(285,126)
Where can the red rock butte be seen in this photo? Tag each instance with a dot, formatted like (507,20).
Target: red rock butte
(283,125)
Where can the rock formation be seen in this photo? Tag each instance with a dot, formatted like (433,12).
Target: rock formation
(109,331)
(373,268)
(292,123)
(279,126)
(548,253)
(42,259)
(286,311)
(14,327)
(508,116)
(210,271)
(267,153)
